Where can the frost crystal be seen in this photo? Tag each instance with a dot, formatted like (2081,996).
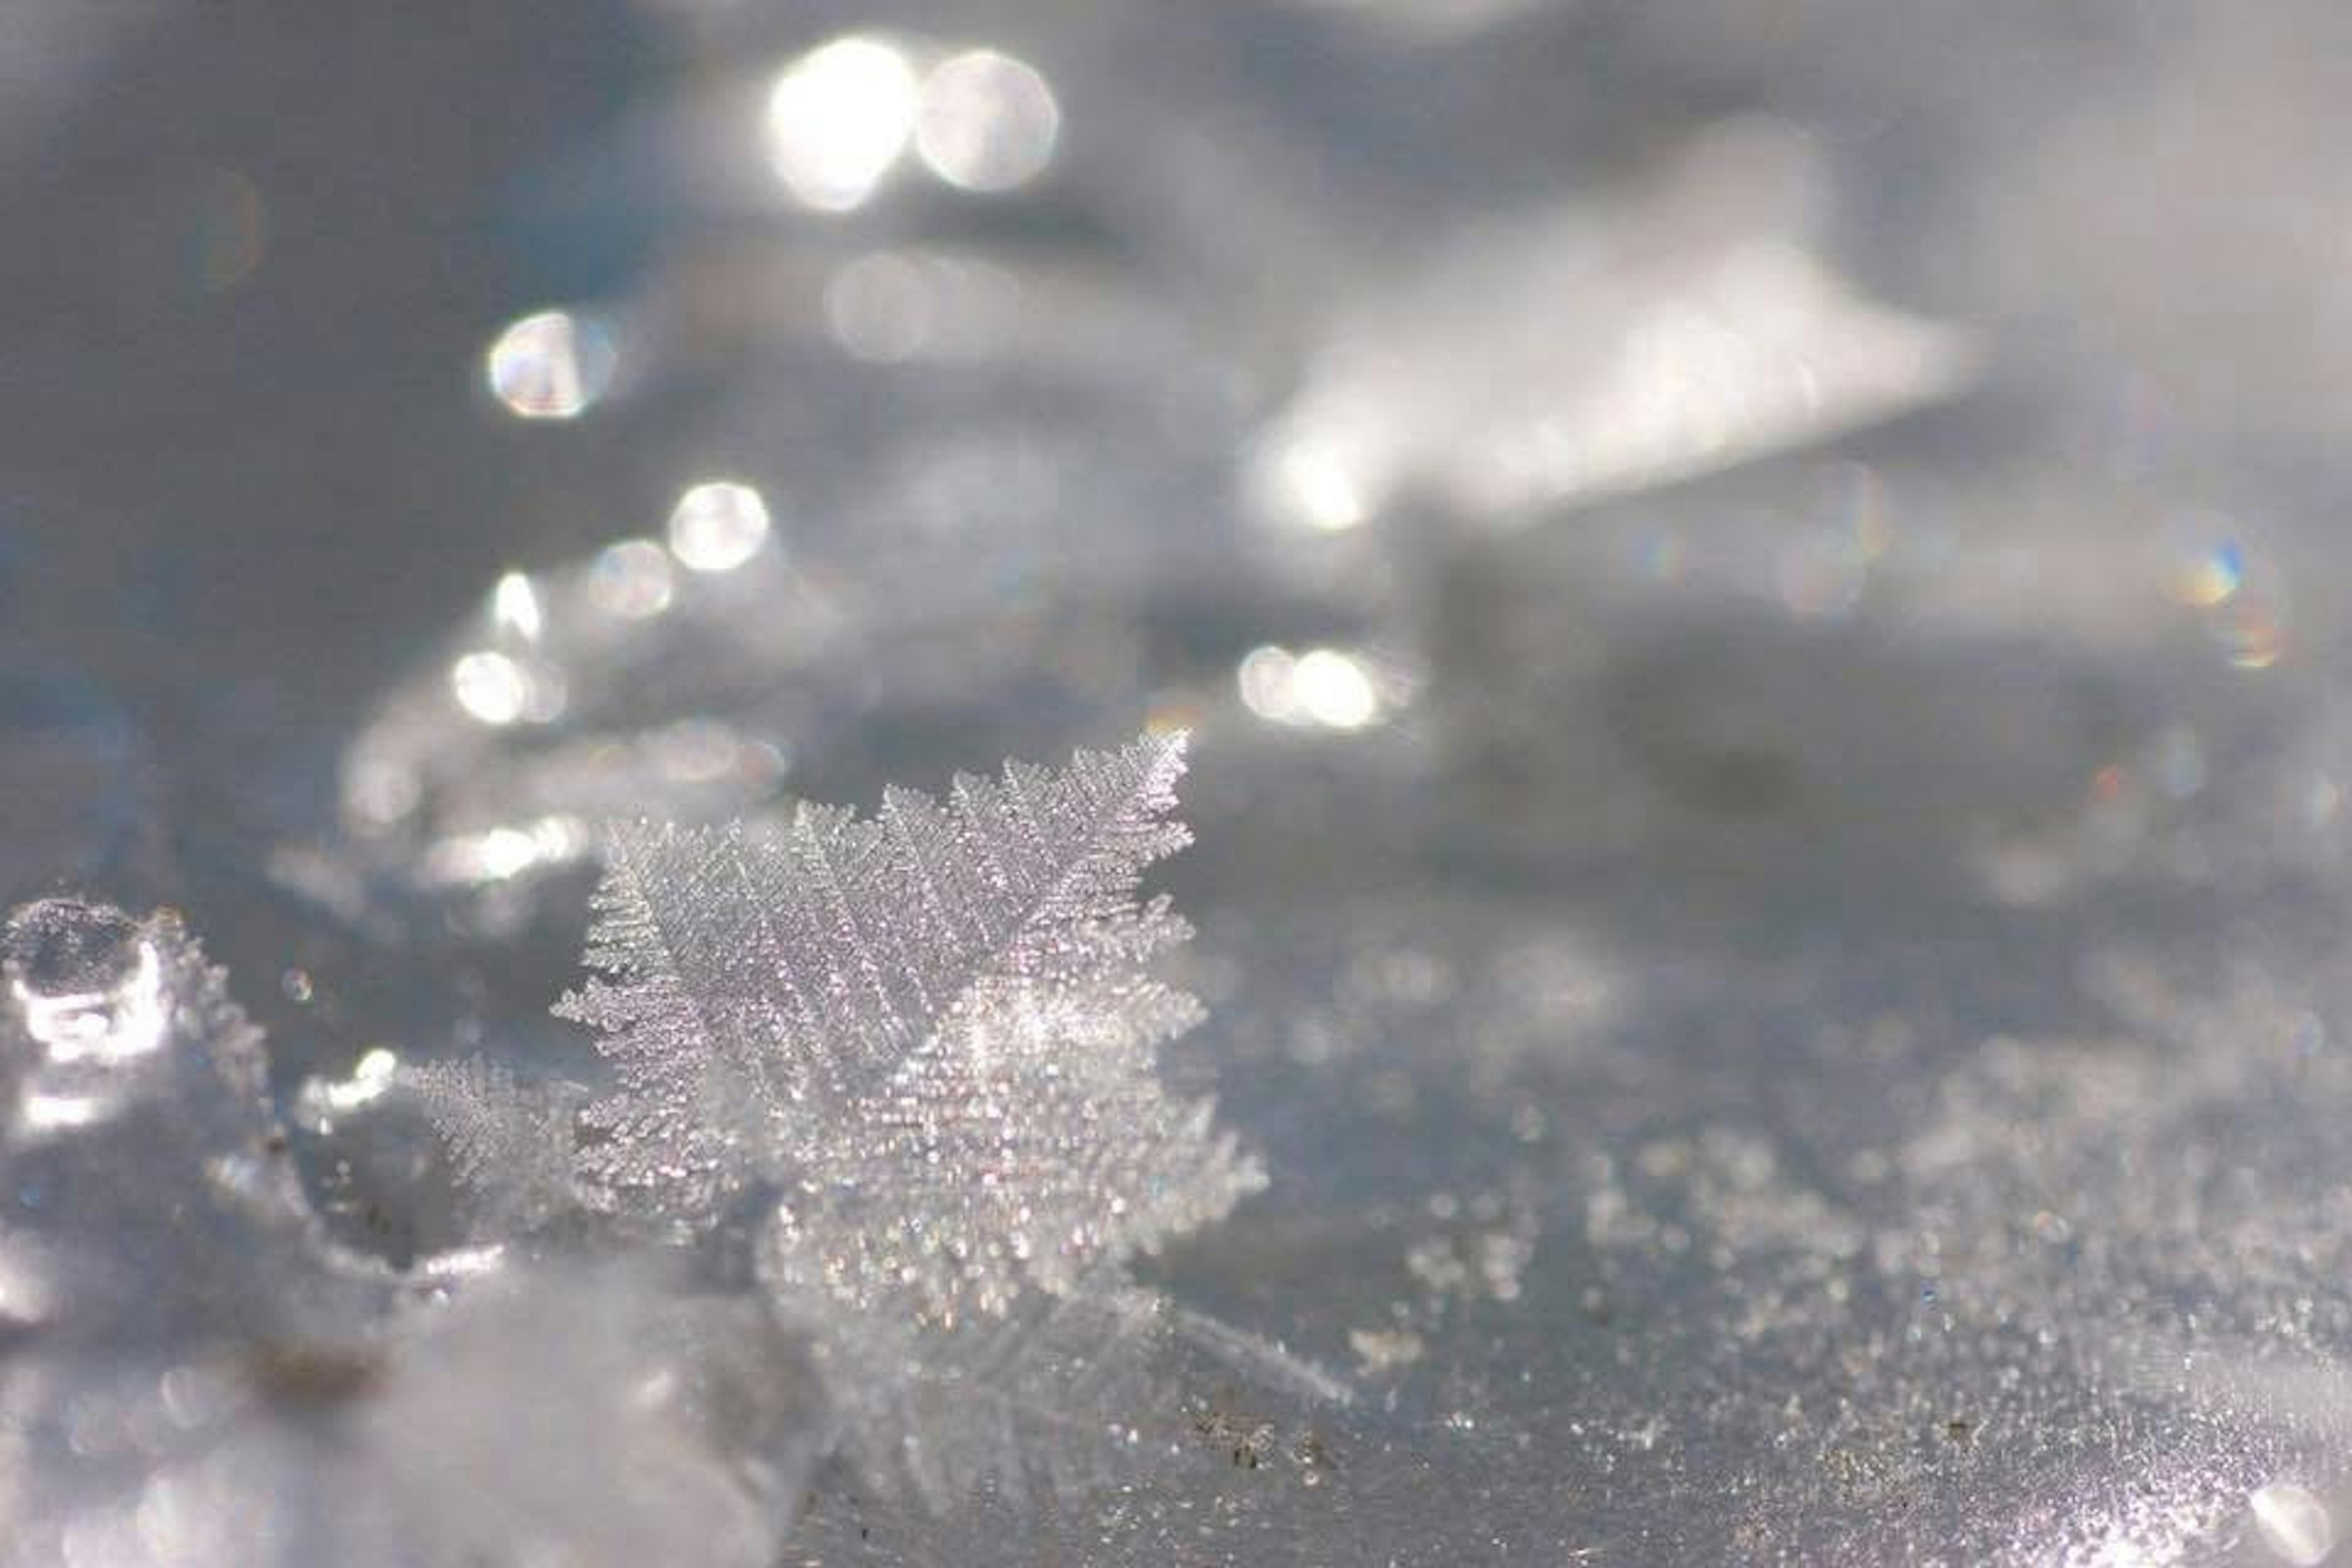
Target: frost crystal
(510,1142)
(930,1036)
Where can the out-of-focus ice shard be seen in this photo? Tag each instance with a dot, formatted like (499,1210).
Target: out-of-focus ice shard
(1572,353)
(191,1372)
(160,1270)
(124,1059)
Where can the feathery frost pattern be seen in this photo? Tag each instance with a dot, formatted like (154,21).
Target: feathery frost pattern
(510,1142)
(928,1039)
(938,1017)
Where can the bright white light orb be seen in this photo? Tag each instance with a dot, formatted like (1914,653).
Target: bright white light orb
(717,526)
(838,118)
(988,122)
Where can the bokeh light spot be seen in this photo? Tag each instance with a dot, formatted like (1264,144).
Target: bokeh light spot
(838,118)
(717,526)
(988,122)
(550,365)
(491,687)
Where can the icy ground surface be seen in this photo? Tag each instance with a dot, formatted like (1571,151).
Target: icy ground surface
(1760,597)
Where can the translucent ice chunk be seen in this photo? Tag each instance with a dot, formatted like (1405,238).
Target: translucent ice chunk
(1590,352)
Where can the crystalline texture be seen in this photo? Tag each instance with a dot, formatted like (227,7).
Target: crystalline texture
(934,1025)
(1056,1394)
(931,1035)
(510,1142)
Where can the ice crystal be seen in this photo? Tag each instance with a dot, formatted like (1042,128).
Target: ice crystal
(934,1027)
(926,1041)
(1057,1393)
(508,1141)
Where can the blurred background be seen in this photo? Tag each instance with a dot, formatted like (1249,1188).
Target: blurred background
(1758,586)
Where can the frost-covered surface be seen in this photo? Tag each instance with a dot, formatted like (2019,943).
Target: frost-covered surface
(1784,964)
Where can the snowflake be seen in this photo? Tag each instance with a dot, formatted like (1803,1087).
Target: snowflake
(924,1043)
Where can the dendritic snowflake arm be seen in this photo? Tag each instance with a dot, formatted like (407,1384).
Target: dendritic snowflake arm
(675,1021)
(771,1000)
(1026,1139)
(510,1143)
(935,1032)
